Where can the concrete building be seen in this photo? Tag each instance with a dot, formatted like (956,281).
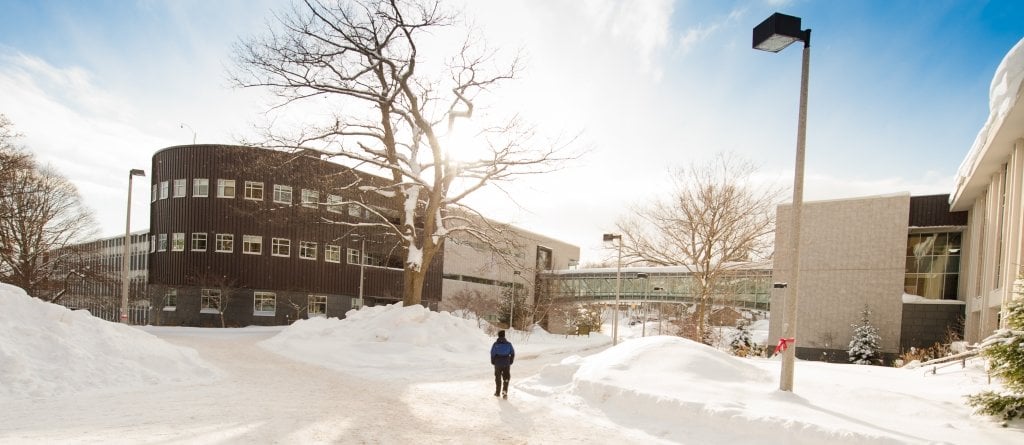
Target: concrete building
(990,188)
(897,255)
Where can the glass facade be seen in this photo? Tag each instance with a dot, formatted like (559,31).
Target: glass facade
(933,265)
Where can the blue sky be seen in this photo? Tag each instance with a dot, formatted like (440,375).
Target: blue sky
(898,92)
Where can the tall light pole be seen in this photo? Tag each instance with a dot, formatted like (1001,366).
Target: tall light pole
(362,268)
(512,305)
(774,34)
(643,327)
(618,287)
(127,242)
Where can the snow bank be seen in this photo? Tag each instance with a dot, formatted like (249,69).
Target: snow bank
(917,299)
(386,342)
(48,350)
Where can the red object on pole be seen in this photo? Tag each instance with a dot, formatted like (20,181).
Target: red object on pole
(783,344)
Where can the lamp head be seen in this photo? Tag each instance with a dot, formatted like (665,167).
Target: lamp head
(611,237)
(778,31)
(136,172)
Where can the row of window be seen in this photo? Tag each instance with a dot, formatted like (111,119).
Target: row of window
(264,303)
(253,245)
(253,190)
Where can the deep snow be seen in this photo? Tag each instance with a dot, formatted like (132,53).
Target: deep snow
(404,375)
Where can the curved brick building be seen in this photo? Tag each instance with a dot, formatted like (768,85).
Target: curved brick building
(256,236)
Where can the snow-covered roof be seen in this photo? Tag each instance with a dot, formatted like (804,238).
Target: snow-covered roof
(1005,124)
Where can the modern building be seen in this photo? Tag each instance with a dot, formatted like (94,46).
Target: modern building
(260,237)
(990,188)
(897,255)
(475,269)
(263,237)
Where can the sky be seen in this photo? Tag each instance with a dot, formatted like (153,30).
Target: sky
(898,92)
(393,374)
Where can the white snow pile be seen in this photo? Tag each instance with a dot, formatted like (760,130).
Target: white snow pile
(407,342)
(712,397)
(48,350)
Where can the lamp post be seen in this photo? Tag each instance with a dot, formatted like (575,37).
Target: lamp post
(643,304)
(512,305)
(774,34)
(362,268)
(618,287)
(127,242)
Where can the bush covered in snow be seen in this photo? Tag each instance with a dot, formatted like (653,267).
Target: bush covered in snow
(1005,351)
(864,348)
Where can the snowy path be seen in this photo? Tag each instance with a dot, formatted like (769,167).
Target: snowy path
(265,398)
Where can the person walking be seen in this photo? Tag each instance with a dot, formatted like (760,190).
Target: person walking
(502,356)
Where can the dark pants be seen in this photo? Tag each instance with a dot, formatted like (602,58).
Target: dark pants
(502,374)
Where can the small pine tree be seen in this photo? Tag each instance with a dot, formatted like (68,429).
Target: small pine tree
(1006,360)
(743,341)
(864,349)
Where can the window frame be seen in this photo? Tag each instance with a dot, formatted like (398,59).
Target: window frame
(164,189)
(316,301)
(224,238)
(177,242)
(280,191)
(305,247)
(260,310)
(208,296)
(310,198)
(197,237)
(179,188)
(332,248)
(224,186)
(200,187)
(252,244)
(252,189)
(161,242)
(277,244)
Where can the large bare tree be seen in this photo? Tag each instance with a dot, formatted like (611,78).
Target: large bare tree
(713,217)
(44,218)
(391,110)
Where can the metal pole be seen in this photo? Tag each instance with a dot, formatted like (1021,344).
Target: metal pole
(643,312)
(618,290)
(362,268)
(789,326)
(125,253)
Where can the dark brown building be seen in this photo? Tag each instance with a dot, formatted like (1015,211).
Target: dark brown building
(262,237)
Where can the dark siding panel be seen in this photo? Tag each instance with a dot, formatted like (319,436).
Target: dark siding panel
(932,211)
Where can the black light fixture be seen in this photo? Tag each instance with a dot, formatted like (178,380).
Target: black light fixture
(778,31)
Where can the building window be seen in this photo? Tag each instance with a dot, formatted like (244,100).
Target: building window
(156,193)
(933,265)
(179,188)
(332,254)
(252,244)
(254,190)
(310,198)
(210,301)
(280,247)
(178,242)
(317,306)
(355,210)
(225,188)
(200,188)
(164,188)
(334,203)
(353,256)
(225,242)
(170,299)
(199,242)
(161,242)
(282,194)
(264,303)
(152,243)
(307,250)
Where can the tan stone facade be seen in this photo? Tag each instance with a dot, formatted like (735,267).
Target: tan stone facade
(852,254)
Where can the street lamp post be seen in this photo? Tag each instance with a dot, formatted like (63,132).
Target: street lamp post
(512,305)
(362,268)
(774,34)
(618,287)
(127,242)
(643,304)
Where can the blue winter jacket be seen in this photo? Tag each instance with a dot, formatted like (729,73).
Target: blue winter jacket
(502,353)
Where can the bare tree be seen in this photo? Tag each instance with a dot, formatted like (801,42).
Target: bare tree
(44,215)
(222,289)
(13,159)
(713,218)
(472,304)
(392,111)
